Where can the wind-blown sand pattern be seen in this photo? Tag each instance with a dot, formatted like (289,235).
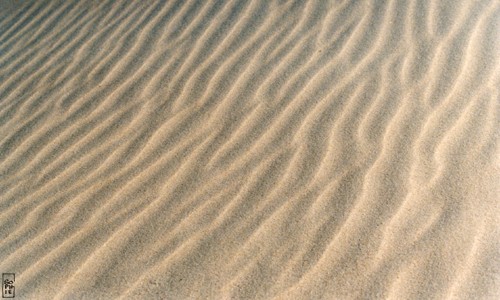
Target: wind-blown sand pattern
(250,149)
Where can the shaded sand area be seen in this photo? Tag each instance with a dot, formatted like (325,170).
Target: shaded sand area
(250,149)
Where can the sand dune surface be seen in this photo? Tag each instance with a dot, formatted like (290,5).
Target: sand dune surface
(250,149)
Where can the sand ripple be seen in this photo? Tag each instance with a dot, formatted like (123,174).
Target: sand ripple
(250,149)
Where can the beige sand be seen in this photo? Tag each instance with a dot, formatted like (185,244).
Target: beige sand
(250,149)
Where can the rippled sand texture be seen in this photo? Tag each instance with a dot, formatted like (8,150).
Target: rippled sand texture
(250,149)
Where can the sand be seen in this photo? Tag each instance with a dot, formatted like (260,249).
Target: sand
(250,149)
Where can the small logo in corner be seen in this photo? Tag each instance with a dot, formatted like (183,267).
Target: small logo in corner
(8,288)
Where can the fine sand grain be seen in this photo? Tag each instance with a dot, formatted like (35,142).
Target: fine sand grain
(250,149)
